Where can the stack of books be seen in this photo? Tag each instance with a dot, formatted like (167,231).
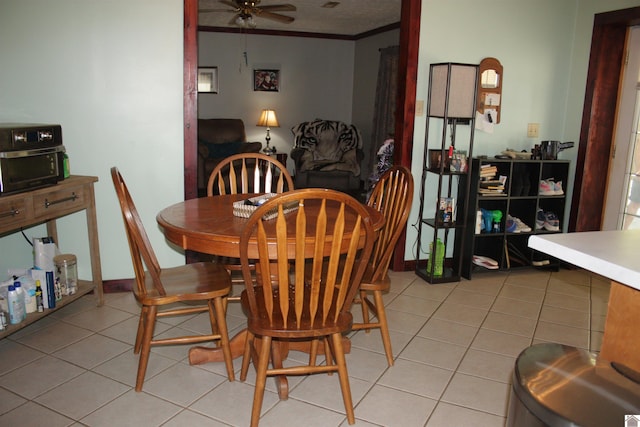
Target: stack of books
(490,184)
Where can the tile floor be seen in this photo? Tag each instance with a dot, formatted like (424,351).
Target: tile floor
(455,346)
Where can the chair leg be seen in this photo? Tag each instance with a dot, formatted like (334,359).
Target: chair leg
(147,336)
(365,309)
(313,352)
(344,376)
(138,343)
(261,380)
(246,357)
(221,323)
(384,326)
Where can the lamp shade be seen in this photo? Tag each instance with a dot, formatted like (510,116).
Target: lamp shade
(458,81)
(268,119)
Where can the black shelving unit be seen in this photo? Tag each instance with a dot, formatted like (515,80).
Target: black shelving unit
(520,198)
(450,105)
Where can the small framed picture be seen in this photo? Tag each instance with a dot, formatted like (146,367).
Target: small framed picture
(266,80)
(208,79)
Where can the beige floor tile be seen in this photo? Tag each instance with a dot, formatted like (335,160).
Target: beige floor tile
(37,416)
(192,419)
(182,384)
(15,355)
(522,293)
(231,403)
(407,409)
(435,353)
(581,290)
(412,305)
(297,413)
(82,395)
(487,365)
(44,374)
(92,351)
(451,332)
(500,342)
(552,332)
(528,278)
(413,377)
(447,415)
(471,298)
(568,302)
(488,284)
(516,325)
(517,307)
(132,409)
(9,401)
(54,337)
(432,292)
(324,390)
(478,393)
(458,313)
(577,319)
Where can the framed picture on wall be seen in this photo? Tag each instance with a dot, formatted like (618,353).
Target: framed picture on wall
(266,80)
(208,79)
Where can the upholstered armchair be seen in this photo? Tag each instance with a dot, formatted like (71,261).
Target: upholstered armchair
(327,154)
(217,140)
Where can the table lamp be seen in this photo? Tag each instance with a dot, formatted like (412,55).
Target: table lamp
(268,119)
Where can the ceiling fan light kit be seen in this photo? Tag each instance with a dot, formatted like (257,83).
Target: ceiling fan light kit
(246,9)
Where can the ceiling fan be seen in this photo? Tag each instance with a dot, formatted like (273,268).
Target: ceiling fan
(245,10)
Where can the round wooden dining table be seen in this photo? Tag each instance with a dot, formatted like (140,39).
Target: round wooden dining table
(208,225)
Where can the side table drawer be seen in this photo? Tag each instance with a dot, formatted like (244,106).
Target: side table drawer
(61,202)
(14,212)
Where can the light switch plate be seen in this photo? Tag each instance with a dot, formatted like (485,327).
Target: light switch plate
(533,130)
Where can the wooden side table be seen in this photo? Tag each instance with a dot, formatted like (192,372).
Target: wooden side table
(45,205)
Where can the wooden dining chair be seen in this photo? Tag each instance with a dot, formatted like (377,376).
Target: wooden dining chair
(392,196)
(247,173)
(283,302)
(157,287)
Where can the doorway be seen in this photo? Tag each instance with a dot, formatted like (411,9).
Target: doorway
(598,117)
(405,107)
(621,205)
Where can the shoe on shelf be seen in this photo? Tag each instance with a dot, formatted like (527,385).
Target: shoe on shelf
(518,225)
(540,219)
(485,262)
(510,225)
(551,222)
(547,188)
(557,188)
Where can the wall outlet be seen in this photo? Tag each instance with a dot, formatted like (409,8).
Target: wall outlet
(419,107)
(533,130)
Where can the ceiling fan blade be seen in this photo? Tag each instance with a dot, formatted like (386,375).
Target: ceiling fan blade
(230,3)
(274,16)
(279,8)
(215,10)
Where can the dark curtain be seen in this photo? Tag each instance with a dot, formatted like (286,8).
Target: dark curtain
(385,105)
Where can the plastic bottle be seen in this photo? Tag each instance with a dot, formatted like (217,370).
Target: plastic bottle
(15,306)
(438,258)
(21,297)
(39,303)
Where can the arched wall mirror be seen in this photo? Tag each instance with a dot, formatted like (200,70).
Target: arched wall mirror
(489,100)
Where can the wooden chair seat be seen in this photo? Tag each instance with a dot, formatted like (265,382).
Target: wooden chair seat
(188,289)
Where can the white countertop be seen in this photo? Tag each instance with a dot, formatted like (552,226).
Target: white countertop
(612,254)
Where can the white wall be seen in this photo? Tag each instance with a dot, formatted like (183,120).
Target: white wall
(111,75)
